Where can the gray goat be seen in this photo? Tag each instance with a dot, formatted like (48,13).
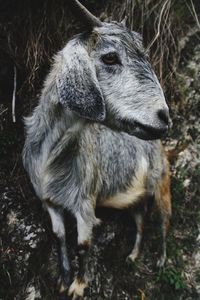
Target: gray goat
(93,138)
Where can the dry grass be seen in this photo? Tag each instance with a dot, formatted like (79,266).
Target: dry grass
(31,32)
(163,24)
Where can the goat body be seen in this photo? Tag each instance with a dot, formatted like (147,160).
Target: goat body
(89,161)
(87,164)
(81,150)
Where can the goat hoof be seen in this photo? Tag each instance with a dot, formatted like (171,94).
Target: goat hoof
(130,261)
(63,285)
(76,290)
(161,262)
(131,258)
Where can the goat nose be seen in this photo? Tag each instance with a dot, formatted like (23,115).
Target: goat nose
(163,115)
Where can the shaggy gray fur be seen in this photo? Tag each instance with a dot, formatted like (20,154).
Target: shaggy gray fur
(81,146)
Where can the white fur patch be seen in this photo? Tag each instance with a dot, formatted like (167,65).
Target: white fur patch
(134,191)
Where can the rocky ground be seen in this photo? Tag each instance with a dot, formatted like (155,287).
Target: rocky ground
(27,247)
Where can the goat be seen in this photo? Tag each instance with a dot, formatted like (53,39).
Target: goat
(93,139)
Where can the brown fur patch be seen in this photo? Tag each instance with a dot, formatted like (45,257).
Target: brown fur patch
(163,193)
(49,203)
(84,246)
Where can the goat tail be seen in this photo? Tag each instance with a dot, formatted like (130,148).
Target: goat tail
(173,153)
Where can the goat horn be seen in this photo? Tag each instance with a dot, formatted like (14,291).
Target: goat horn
(123,22)
(83,14)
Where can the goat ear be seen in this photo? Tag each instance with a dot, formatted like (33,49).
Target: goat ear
(77,84)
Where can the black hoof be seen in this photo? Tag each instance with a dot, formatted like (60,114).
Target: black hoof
(63,285)
(130,263)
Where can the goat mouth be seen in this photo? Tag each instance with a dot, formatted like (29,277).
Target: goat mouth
(144,132)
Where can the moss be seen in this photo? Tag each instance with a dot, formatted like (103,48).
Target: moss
(171,277)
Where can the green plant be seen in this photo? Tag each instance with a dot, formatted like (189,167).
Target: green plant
(172,277)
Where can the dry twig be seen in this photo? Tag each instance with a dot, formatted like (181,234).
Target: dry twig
(14,95)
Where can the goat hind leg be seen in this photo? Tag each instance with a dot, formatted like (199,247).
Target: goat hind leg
(58,228)
(165,228)
(138,216)
(163,203)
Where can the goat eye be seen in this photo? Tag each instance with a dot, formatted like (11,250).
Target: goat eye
(110,59)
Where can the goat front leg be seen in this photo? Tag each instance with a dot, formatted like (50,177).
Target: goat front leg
(86,220)
(58,228)
(138,215)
